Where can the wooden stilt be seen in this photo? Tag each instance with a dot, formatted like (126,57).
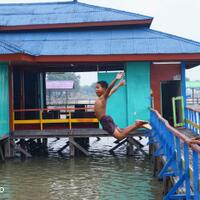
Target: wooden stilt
(130,149)
(155,161)
(45,141)
(150,150)
(71,147)
(9,150)
(75,144)
(22,146)
(17,147)
(1,152)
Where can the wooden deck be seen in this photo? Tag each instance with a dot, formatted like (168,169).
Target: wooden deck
(64,133)
(72,134)
(186,132)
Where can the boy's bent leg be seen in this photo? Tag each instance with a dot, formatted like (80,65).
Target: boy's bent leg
(121,134)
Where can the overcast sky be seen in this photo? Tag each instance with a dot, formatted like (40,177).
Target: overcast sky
(179,17)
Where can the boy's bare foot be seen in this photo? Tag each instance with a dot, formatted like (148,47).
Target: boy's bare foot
(143,124)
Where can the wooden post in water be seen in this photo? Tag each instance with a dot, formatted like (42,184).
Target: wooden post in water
(167,185)
(71,148)
(23,146)
(9,149)
(129,149)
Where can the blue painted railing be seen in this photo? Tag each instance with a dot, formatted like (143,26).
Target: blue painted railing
(182,159)
(192,120)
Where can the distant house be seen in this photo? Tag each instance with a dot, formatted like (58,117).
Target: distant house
(58,91)
(77,37)
(59,85)
(193,92)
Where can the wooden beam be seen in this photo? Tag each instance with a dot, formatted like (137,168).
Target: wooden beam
(78,146)
(137,144)
(64,147)
(118,145)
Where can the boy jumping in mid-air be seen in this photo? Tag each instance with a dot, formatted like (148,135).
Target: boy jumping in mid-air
(104,91)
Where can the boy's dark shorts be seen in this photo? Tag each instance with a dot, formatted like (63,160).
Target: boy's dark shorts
(108,124)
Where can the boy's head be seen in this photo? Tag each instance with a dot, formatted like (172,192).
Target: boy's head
(101,87)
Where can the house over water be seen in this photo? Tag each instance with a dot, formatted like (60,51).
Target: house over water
(36,38)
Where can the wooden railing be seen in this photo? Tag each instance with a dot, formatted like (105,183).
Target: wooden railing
(41,120)
(193,101)
(182,159)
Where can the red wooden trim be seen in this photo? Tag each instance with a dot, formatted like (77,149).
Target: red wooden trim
(16,57)
(75,25)
(118,58)
(11,98)
(102,58)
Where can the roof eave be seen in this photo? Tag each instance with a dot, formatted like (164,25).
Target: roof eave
(189,58)
(16,57)
(146,23)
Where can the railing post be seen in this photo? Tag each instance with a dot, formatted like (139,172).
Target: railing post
(187,170)
(196,175)
(13,122)
(70,120)
(41,120)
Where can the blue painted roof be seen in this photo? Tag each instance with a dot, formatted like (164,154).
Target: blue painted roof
(7,48)
(60,12)
(100,42)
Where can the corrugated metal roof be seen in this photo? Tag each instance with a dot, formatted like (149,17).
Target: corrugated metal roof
(100,42)
(7,48)
(59,85)
(60,12)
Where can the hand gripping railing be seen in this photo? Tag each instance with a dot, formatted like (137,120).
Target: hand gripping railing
(182,159)
(192,120)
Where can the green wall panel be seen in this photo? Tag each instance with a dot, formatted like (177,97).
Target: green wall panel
(4,100)
(138,90)
(116,106)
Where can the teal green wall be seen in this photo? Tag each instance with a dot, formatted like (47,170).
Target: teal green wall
(4,100)
(117,102)
(138,90)
(131,101)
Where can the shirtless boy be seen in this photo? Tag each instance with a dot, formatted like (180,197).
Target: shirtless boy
(104,91)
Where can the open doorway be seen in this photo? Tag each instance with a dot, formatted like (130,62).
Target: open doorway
(169,89)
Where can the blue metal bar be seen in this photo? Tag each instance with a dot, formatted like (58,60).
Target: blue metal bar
(183,81)
(187,170)
(168,164)
(180,196)
(196,174)
(175,187)
(179,160)
(170,145)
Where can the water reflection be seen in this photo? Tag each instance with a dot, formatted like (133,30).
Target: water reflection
(99,177)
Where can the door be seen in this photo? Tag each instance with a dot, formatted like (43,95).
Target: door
(169,89)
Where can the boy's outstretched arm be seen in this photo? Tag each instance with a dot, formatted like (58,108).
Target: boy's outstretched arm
(118,77)
(113,90)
